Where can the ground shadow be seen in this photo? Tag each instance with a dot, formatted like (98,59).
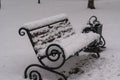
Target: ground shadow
(73,67)
(78,65)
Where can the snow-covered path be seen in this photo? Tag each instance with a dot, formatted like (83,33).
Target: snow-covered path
(16,52)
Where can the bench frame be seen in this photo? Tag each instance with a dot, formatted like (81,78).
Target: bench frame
(94,26)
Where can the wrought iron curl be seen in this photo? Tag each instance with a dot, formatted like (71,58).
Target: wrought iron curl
(35,75)
(22,31)
(54,55)
(91,22)
(102,42)
(32,72)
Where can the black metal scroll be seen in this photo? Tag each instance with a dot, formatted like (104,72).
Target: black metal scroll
(96,27)
(34,74)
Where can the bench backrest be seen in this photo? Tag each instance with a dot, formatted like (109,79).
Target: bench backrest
(44,32)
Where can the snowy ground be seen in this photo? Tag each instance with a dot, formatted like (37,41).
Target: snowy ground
(16,52)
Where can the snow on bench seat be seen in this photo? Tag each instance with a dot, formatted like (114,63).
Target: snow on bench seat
(75,43)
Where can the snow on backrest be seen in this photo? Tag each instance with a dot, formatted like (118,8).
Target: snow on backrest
(50,30)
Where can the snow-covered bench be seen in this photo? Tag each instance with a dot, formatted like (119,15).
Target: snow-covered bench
(54,39)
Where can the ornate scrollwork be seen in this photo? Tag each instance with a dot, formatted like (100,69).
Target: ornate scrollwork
(22,31)
(32,72)
(102,42)
(92,20)
(96,27)
(54,52)
(35,75)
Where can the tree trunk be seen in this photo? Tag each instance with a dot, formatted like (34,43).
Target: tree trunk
(0,4)
(38,1)
(91,4)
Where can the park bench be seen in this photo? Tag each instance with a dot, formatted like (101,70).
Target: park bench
(54,39)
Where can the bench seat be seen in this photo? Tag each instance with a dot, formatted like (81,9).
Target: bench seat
(74,43)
